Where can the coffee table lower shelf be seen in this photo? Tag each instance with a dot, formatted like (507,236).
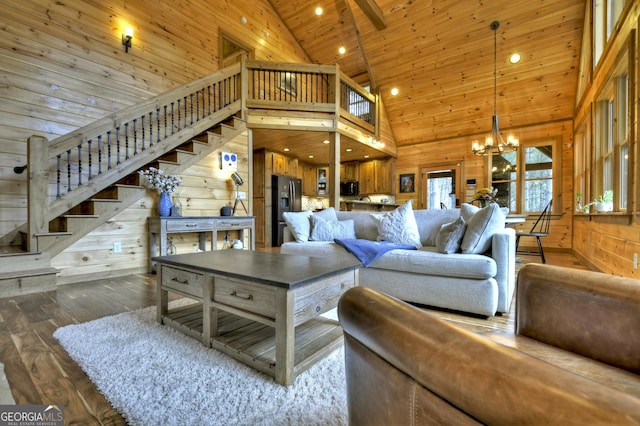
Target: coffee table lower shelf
(254,343)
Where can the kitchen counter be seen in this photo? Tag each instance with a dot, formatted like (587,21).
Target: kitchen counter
(358,205)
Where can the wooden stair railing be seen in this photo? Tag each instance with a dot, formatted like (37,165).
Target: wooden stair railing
(85,162)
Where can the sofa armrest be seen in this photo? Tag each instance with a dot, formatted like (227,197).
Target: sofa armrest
(593,314)
(503,251)
(405,366)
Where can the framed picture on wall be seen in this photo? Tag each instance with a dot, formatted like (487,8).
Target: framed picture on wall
(288,83)
(408,183)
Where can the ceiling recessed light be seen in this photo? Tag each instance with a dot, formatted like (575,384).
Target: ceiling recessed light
(319,11)
(342,50)
(311,156)
(515,58)
(286,150)
(326,142)
(366,156)
(394,91)
(349,150)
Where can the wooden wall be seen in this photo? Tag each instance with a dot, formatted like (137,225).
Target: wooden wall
(607,242)
(63,66)
(412,158)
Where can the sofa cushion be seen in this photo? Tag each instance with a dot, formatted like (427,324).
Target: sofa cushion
(299,224)
(481,227)
(430,220)
(328,214)
(328,230)
(314,249)
(398,226)
(450,236)
(366,226)
(428,261)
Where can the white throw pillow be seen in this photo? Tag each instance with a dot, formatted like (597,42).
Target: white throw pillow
(481,227)
(328,230)
(398,226)
(328,214)
(467,210)
(450,236)
(299,224)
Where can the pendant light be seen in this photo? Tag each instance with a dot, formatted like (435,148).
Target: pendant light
(494,143)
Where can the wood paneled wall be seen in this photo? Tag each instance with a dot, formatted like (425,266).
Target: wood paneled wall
(412,158)
(608,242)
(63,66)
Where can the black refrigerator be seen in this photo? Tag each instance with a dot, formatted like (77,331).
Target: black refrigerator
(286,196)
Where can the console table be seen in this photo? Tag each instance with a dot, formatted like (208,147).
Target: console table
(160,227)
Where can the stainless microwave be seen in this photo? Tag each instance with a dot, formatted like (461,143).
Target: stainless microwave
(348,188)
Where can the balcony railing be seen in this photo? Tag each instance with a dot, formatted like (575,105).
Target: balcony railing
(312,88)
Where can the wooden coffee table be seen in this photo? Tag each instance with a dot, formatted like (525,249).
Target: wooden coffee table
(261,308)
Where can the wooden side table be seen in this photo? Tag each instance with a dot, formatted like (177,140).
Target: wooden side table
(161,227)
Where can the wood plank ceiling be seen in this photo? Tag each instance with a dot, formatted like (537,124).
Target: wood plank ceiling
(439,54)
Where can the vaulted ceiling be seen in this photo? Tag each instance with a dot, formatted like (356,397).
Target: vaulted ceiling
(439,54)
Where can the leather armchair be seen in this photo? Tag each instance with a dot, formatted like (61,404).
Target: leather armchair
(406,366)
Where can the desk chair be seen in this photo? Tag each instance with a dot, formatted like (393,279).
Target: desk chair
(539,229)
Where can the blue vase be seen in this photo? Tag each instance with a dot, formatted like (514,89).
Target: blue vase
(164,205)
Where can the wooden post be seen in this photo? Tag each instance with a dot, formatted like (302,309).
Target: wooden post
(334,171)
(244,86)
(37,189)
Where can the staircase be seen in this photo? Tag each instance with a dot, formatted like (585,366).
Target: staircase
(193,128)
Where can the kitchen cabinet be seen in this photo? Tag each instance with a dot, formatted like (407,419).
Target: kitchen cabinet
(309,179)
(376,176)
(367,177)
(349,171)
(283,165)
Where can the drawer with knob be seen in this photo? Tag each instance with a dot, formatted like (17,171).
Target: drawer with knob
(189,225)
(255,298)
(186,282)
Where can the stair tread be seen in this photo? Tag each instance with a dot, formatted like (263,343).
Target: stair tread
(84,216)
(106,200)
(53,234)
(28,273)
(125,185)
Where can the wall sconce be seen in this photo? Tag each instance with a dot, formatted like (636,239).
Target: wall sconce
(126,38)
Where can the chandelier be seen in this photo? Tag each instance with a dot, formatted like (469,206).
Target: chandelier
(494,143)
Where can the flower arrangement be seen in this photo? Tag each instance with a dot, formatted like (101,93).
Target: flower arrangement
(159,180)
(486,195)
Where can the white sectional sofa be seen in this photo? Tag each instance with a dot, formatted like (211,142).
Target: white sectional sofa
(479,283)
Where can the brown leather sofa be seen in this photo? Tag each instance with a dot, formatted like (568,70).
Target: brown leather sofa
(574,357)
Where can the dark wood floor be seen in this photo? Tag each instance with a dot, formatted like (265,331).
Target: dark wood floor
(39,371)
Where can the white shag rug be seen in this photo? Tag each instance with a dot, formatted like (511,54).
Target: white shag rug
(155,375)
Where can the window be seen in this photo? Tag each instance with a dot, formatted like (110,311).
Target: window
(582,164)
(538,177)
(611,139)
(605,16)
(525,178)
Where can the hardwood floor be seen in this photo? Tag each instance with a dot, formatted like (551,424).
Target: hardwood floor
(39,371)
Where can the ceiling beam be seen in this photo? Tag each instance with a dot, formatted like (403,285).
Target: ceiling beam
(349,11)
(373,12)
